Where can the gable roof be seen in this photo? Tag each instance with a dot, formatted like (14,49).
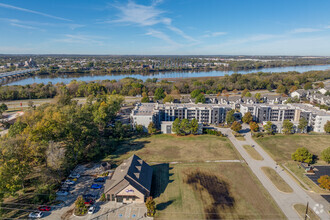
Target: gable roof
(133,171)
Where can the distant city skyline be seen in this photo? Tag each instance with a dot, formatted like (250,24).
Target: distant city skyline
(165,27)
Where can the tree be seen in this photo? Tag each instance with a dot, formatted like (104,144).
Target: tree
(185,126)
(139,129)
(168,98)
(236,126)
(152,128)
(195,93)
(287,127)
(151,206)
(3,108)
(302,124)
(254,126)
(80,207)
(194,126)
(257,96)
(281,89)
(159,93)
(302,155)
(327,127)
(244,92)
(230,118)
(308,86)
(324,182)
(325,155)
(103,199)
(145,99)
(200,99)
(176,128)
(248,94)
(293,88)
(247,118)
(269,127)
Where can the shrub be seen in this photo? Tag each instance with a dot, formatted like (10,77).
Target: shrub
(325,155)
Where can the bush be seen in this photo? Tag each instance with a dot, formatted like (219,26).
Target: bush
(80,207)
(213,132)
(325,155)
(257,134)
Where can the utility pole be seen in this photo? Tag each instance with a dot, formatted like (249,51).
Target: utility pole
(306,212)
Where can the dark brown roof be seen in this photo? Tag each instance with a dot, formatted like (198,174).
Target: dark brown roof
(133,171)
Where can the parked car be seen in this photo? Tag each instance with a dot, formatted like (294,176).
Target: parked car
(35,215)
(74,175)
(69,182)
(99,179)
(89,196)
(89,202)
(62,193)
(44,208)
(96,186)
(91,210)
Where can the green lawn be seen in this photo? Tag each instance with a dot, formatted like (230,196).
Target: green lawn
(169,148)
(253,153)
(277,180)
(210,191)
(280,147)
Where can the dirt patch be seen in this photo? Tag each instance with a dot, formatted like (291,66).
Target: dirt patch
(217,189)
(67,214)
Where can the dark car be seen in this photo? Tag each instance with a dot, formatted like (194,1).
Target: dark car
(44,208)
(89,196)
(96,186)
(99,180)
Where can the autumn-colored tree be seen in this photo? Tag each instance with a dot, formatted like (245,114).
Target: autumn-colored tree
(152,128)
(254,126)
(236,126)
(324,182)
(168,98)
(151,207)
(247,118)
(293,88)
(80,207)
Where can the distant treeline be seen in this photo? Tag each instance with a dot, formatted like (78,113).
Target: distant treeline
(282,82)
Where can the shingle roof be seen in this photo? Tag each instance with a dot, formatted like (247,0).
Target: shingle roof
(133,171)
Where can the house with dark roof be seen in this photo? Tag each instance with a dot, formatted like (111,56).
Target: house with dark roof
(130,183)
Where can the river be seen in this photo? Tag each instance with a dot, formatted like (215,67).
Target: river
(160,75)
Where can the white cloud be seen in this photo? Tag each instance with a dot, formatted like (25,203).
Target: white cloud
(24,26)
(144,16)
(304,30)
(215,34)
(81,39)
(162,36)
(31,11)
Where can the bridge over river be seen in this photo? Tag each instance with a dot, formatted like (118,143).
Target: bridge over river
(9,76)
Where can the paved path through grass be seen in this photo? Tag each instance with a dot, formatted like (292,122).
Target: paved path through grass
(285,201)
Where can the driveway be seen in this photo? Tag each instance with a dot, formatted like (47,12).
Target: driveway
(284,200)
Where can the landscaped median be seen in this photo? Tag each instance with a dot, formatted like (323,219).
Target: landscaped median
(277,180)
(301,210)
(252,152)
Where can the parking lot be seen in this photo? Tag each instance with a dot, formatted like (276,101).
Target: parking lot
(81,187)
(319,171)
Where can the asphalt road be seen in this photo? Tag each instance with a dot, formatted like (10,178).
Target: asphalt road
(284,200)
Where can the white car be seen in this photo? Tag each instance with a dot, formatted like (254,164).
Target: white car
(74,175)
(69,182)
(35,215)
(91,210)
(62,193)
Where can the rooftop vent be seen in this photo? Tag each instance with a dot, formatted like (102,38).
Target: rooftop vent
(138,168)
(137,175)
(140,161)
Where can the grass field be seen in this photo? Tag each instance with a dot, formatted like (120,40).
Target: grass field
(280,147)
(211,191)
(169,148)
(277,180)
(253,153)
(301,209)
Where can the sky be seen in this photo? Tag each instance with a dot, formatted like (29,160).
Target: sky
(165,27)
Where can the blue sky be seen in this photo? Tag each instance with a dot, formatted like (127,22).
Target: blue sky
(183,27)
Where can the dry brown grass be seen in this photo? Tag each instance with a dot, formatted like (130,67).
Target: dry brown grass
(301,209)
(277,180)
(253,153)
(211,190)
(167,148)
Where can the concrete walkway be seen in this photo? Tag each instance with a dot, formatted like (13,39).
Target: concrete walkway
(284,200)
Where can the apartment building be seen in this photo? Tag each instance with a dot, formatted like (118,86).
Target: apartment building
(144,113)
(293,112)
